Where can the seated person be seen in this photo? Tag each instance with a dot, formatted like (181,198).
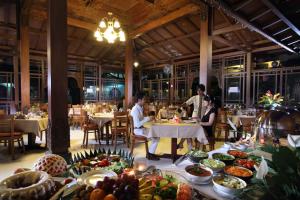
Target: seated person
(209,116)
(138,122)
(207,120)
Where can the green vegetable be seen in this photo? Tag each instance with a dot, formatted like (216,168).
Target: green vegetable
(168,193)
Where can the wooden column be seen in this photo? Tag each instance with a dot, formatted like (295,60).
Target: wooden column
(205,48)
(24,60)
(248,79)
(128,72)
(59,133)
(16,79)
(43,85)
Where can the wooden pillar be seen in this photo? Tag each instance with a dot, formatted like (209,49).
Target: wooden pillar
(248,79)
(43,85)
(16,79)
(128,72)
(59,133)
(205,48)
(25,68)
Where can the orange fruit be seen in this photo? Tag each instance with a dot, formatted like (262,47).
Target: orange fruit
(97,194)
(110,197)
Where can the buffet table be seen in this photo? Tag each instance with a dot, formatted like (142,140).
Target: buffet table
(174,131)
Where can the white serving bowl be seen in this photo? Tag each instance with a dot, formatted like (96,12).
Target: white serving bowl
(198,179)
(225,189)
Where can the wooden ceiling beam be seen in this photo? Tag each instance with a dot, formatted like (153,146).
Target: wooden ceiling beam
(164,42)
(279,14)
(228,43)
(42,15)
(188,9)
(227,9)
(227,29)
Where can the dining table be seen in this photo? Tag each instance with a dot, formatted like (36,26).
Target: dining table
(103,119)
(33,127)
(174,130)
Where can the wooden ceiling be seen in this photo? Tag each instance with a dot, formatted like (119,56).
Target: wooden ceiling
(162,31)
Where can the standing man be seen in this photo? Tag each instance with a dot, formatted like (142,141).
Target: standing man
(197,102)
(138,122)
(198,111)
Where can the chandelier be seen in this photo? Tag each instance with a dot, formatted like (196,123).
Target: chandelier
(110,29)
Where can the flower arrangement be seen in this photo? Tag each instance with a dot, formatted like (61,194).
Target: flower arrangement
(270,100)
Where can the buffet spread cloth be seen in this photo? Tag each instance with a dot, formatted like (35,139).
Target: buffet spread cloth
(176,130)
(32,125)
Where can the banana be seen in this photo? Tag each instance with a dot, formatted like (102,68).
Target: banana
(142,181)
(147,190)
(145,197)
(156,197)
(147,183)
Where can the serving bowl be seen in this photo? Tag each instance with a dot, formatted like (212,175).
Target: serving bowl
(213,164)
(237,153)
(240,172)
(222,183)
(204,174)
(196,156)
(226,158)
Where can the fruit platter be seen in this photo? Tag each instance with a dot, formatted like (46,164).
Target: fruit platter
(157,185)
(114,161)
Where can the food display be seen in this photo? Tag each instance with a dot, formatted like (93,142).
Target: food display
(53,164)
(215,165)
(29,185)
(237,153)
(247,163)
(113,161)
(228,186)
(196,155)
(237,171)
(229,182)
(227,159)
(198,174)
(166,186)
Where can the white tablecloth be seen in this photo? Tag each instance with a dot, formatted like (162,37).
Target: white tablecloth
(101,118)
(34,126)
(174,130)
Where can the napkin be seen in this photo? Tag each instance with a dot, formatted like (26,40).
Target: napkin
(294,140)
(262,170)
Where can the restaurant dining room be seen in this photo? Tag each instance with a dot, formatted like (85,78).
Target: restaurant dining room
(149,99)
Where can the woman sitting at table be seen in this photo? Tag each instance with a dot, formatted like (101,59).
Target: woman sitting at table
(207,120)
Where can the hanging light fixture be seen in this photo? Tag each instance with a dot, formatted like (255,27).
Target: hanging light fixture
(109,29)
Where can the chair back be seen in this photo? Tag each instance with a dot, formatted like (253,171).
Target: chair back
(120,118)
(2,112)
(222,116)
(7,124)
(131,125)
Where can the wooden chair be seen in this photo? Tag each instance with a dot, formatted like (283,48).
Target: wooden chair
(77,116)
(138,138)
(221,124)
(120,126)
(8,134)
(2,112)
(89,127)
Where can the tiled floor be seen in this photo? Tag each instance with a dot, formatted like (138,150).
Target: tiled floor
(27,159)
